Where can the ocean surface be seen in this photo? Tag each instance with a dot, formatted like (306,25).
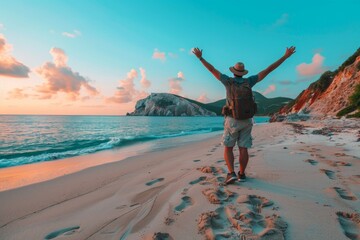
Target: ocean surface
(28,139)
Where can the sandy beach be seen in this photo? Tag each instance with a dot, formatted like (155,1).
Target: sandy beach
(303,183)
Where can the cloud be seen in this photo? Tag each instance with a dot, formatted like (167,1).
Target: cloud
(182,49)
(17,93)
(9,66)
(93,106)
(203,98)
(159,55)
(270,89)
(313,68)
(73,34)
(145,83)
(282,20)
(181,75)
(305,79)
(2,26)
(172,55)
(59,56)
(127,92)
(286,82)
(175,84)
(61,78)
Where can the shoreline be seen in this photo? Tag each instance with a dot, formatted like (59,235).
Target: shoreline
(34,151)
(302,178)
(27,174)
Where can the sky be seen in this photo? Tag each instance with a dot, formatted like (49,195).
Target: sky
(87,57)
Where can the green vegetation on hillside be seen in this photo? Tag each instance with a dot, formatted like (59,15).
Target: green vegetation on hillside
(349,61)
(354,104)
(324,81)
(326,78)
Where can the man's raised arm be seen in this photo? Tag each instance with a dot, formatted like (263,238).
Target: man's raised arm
(289,51)
(214,71)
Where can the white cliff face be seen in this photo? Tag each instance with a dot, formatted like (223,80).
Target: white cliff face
(166,104)
(336,96)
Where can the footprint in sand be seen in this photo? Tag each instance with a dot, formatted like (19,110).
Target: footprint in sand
(64,231)
(186,201)
(220,161)
(197,160)
(311,161)
(341,163)
(169,221)
(344,194)
(350,223)
(257,202)
(340,154)
(210,169)
(213,150)
(154,181)
(330,174)
(161,236)
(340,144)
(218,195)
(200,179)
(227,222)
(220,179)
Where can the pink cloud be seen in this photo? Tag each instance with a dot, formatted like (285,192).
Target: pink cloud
(61,78)
(313,68)
(181,75)
(175,84)
(270,89)
(73,34)
(159,55)
(127,92)
(9,66)
(17,93)
(59,56)
(145,83)
(203,98)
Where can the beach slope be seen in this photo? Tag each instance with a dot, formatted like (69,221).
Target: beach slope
(303,183)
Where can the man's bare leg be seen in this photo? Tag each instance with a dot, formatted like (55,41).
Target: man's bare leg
(229,158)
(243,159)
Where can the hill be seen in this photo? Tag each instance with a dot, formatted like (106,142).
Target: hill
(166,104)
(335,93)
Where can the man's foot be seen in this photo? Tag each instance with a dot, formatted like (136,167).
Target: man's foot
(230,178)
(242,177)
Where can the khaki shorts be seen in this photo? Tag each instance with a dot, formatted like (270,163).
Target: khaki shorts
(237,131)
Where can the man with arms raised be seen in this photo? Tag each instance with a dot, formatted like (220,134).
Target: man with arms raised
(238,124)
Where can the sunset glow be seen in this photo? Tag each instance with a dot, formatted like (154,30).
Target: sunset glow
(66,57)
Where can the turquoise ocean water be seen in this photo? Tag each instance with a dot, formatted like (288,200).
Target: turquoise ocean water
(28,139)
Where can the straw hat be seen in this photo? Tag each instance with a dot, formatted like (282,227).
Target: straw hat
(238,69)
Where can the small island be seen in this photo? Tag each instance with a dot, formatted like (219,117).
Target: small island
(166,104)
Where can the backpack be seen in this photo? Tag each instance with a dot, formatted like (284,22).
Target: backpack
(242,102)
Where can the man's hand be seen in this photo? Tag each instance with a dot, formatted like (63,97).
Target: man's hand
(289,51)
(197,52)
